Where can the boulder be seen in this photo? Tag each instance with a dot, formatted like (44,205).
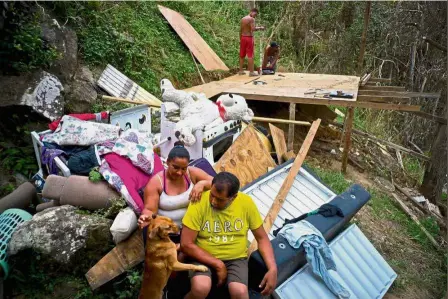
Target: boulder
(63,238)
(65,41)
(41,91)
(81,93)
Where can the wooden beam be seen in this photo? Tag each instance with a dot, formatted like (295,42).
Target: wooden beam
(287,183)
(121,100)
(435,44)
(382,99)
(381,80)
(439,220)
(383,88)
(438,119)
(123,257)
(405,209)
(278,137)
(407,94)
(388,143)
(292,117)
(365,79)
(327,102)
(347,137)
(281,121)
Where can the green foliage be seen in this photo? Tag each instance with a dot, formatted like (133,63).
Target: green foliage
(334,179)
(6,189)
(18,159)
(21,46)
(95,176)
(116,205)
(414,168)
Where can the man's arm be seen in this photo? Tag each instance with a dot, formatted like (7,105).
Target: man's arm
(189,247)
(269,281)
(265,58)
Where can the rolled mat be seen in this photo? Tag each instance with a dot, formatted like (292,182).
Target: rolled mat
(46,205)
(20,198)
(53,187)
(80,192)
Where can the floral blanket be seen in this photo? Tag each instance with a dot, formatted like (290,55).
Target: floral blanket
(73,131)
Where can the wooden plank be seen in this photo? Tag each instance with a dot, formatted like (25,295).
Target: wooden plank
(278,137)
(347,138)
(292,117)
(287,183)
(246,158)
(289,155)
(439,219)
(365,79)
(201,50)
(327,102)
(407,94)
(383,88)
(438,119)
(281,121)
(388,143)
(382,80)
(115,99)
(382,99)
(405,209)
(124,256)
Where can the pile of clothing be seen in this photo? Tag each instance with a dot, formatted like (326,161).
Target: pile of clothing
(125,159)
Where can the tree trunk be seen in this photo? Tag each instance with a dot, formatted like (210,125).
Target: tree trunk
(364,36)
(435,177)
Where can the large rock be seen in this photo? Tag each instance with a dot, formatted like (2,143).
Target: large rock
(41,91)
(65,41)
(81,93)
(63,238)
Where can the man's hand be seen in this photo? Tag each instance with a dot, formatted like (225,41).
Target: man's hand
(221,272)
(269,282)
(196,192)
(143,220)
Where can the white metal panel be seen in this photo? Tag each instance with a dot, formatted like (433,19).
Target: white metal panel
(305,195)
(360,269)
(118,85)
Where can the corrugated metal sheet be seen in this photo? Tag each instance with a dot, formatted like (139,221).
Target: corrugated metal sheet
(360,269)
(118,85)
(305,195)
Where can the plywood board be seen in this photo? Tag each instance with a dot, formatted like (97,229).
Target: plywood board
(120,86)
(247,158)
(278,137)
(200,49)
(123,257)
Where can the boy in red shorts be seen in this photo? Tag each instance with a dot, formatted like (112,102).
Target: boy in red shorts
(247,44)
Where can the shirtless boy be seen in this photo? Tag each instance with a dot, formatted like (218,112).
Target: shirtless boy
(247,41)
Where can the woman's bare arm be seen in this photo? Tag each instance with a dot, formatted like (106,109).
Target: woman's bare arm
(151,200)
(202,182)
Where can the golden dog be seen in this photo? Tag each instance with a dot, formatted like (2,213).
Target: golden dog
(161,258)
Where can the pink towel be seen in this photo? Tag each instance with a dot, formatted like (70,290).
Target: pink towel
(133,178)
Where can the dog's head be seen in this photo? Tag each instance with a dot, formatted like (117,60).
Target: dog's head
(161,227)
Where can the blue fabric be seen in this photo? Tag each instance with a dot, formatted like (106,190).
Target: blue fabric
(318,254)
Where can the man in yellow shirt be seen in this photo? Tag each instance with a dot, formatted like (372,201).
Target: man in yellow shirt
(214,233)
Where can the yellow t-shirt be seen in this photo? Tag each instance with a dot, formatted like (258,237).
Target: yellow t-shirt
(223,233)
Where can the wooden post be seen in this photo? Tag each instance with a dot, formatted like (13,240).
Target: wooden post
(408,211)
(364,36)
(292,116)
(287,183)
(347,137)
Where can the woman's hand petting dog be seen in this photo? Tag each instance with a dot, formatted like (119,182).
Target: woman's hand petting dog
(143,220)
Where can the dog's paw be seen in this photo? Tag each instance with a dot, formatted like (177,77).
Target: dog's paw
(201,268)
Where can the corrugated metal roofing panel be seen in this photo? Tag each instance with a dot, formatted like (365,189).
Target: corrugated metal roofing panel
(305,195)
(360,269)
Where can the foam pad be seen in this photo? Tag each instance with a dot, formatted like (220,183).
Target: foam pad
(53,186)
(20,198)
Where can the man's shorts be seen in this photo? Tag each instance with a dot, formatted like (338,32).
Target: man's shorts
(247,46)
(237,271)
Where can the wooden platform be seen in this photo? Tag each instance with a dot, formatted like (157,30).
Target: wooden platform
(200,49)
(281,84)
